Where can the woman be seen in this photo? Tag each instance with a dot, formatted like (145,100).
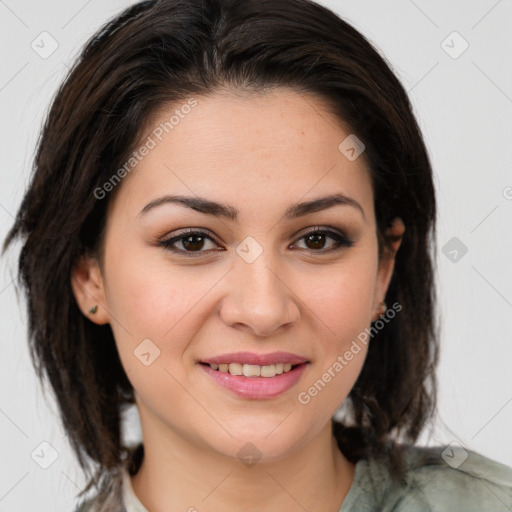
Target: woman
(230,225)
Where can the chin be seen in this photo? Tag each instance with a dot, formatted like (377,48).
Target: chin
(252,446)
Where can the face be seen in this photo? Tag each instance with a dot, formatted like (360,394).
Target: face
(182,283)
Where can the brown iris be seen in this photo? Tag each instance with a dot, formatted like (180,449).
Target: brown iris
(318,240)
(189,245)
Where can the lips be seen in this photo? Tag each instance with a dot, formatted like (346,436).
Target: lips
(255,376)
(253,358)
(256,388)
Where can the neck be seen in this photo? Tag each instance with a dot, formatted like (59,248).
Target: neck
(178,475)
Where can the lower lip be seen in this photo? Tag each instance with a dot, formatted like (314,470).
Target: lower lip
(257,387)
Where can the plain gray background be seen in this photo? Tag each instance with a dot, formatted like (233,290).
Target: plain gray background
(463,99)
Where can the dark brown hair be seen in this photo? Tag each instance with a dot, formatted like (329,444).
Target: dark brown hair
(158,52)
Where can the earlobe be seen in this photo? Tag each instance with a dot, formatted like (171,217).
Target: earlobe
(88,289)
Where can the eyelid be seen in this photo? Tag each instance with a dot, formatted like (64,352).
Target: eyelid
(322,229)
(191,231)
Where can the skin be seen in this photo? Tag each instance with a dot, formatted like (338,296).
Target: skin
(260,153)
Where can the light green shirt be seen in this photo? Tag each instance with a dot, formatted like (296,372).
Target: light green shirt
(437,479)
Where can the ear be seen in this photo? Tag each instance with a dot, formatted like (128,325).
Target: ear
(386,265)
(88,289)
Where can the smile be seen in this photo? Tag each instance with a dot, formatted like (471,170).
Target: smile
(255,382)
(253,370)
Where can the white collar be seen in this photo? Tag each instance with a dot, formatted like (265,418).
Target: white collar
(131,502)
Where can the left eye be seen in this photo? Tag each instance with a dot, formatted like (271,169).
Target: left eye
(318,237)
(194,241)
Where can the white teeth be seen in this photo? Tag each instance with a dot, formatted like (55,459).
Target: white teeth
(252,370)
(236,369)
(268,371)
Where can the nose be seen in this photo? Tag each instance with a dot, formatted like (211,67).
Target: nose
(259,297)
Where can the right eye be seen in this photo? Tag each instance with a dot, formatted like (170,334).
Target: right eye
(191,242)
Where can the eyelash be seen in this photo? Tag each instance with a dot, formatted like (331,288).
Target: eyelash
(341,241)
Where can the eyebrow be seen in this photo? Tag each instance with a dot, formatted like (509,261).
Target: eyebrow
(203,205)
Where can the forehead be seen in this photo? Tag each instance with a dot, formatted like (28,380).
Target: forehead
(246,149)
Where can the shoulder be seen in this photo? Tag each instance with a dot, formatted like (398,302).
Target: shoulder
(437,479)
(453,478)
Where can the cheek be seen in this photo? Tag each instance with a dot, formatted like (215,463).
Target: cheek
(341,299)
(149,299)
(341,303)
(148,295)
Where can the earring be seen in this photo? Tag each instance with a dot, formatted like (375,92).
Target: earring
(93,309)
(383,309)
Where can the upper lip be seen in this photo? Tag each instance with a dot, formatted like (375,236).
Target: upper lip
(257,359)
